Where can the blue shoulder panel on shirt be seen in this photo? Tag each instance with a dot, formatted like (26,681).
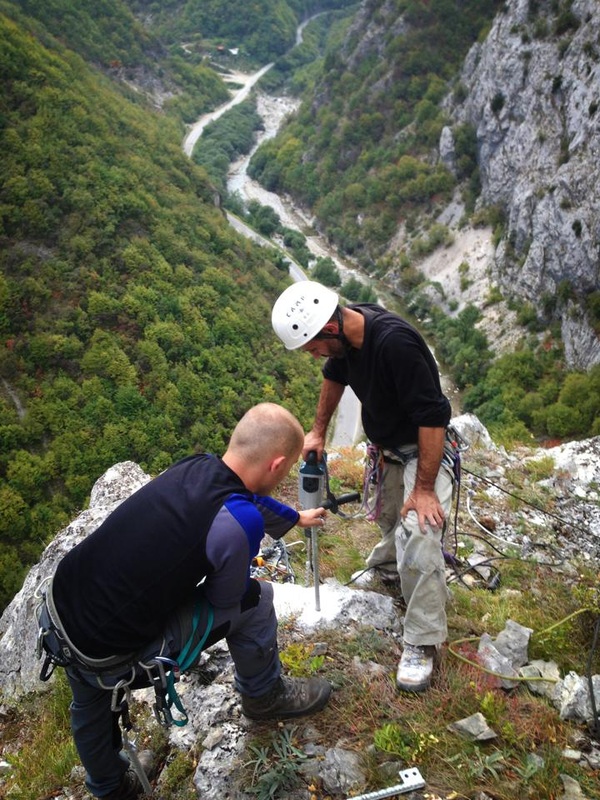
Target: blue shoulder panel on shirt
(278,518)
(248,516)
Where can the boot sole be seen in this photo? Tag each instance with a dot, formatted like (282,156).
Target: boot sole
(417,688)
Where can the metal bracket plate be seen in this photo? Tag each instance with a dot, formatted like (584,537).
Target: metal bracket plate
(410,779)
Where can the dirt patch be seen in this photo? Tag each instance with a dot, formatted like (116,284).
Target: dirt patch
(463,273)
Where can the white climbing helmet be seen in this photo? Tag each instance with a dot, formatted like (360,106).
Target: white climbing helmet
(301,311)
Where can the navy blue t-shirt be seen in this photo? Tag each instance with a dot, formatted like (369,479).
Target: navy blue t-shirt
(395,377)
(115,591)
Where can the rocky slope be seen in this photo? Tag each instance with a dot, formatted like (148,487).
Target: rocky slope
(531,90)
(216,725)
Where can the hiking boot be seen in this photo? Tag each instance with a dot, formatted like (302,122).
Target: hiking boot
(415,668)
(130,786)
(289,697)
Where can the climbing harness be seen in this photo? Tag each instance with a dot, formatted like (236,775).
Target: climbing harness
(377,457)
(118,674)
(59,650)
(372,483)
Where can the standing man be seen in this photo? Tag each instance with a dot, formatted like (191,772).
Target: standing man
(167,569)
(394,375)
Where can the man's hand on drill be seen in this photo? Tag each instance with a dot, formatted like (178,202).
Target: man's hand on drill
(312,517)
(313,441)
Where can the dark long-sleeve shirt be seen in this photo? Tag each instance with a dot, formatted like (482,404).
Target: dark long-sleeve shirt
(395,377)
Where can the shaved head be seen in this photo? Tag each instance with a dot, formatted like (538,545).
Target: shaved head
(267,430)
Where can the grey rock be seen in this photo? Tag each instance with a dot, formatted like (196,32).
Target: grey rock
(533,108)
(512,642)
(474,727)
(447,152)
(341,771)
(211,778)
(572,697)
(492,659)
(541,669)
(340,605)
(592,759)
(474,433)
(19,664)
(572,755)
(572,789)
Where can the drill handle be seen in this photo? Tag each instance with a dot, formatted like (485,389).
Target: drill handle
(311,458)
(333,503)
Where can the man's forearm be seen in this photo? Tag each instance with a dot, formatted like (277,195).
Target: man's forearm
(331,394)
(431,450)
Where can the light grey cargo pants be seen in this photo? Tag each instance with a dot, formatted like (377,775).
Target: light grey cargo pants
(418,557)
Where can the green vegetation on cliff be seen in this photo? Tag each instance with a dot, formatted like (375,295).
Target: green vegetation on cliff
(359,151)
(134,322)
(261,30)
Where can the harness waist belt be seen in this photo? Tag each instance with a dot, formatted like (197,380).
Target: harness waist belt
(399,455)
(70,652)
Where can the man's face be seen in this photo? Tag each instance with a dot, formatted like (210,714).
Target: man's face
(324,348)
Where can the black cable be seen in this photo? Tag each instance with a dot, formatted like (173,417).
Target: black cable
(595,724)
(521,499)
(494,581)
(458,467)
(540,545)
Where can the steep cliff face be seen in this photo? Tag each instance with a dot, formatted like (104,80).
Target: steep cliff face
(532,92)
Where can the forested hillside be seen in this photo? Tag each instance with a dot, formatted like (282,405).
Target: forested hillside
(431,119)
(261,30)
(134,322)
(360,151)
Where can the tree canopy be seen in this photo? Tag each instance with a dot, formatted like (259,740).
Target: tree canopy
(135,323)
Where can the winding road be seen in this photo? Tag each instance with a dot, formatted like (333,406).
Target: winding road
(239,96)
(347,428)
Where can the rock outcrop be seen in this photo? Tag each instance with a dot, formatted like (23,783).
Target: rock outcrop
(207,693)
(532,92)
(19,664)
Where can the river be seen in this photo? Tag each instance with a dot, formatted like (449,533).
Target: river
(347,428)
